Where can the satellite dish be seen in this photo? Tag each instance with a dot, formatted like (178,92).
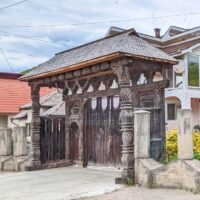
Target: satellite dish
(180,68)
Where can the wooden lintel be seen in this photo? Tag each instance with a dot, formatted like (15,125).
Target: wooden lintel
(112,92)
(153,85)
(87,95)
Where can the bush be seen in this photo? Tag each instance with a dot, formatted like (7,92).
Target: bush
(172,144)
(197,128)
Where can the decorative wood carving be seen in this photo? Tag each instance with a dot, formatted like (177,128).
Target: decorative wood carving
(126,119)
(35,125)
(126,71)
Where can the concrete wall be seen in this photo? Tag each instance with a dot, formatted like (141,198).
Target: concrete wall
(13,149)
(5,142)
(3,121)
(181,174)
(19,141)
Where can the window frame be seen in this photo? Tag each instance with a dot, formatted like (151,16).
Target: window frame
(175,111)
(192,54)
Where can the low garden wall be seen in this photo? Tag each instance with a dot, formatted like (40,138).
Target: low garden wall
(13,149)
(183,173)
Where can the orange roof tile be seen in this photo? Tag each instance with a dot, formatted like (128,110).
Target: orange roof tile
(15,93)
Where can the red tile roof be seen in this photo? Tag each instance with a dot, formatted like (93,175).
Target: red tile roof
(15,93)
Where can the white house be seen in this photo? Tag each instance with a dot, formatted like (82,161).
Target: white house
(184,91)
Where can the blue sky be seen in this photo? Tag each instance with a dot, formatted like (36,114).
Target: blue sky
(25,53)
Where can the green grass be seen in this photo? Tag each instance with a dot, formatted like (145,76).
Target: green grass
(197,156)
(174,157)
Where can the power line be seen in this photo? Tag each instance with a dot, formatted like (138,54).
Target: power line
(11,5)
(100,22)
(28,54)
(7,61)
(33,38)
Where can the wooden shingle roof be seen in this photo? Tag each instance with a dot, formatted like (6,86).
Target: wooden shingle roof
(127,42)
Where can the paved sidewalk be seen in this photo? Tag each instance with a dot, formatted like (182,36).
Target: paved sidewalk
(57,184)
(135,193)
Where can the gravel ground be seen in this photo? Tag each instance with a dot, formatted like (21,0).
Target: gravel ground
(135,193)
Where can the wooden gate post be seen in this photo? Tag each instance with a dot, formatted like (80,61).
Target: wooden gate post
(126,120)
(67,126)
(35,126)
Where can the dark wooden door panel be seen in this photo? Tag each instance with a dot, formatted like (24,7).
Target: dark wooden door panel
(74,142)
(102,137)
(52,139)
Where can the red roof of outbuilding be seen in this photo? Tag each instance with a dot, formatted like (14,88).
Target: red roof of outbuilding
(15,93)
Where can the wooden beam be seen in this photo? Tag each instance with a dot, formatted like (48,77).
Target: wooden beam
(115,91)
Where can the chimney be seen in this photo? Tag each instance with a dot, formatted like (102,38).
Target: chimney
(157,32)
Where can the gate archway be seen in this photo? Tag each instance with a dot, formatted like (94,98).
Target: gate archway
(101,133)
(74,133)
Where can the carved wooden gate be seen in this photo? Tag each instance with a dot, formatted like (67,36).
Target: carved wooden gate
(52,139)
(102,137)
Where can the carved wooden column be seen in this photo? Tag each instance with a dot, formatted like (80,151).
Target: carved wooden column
(67,126)
(81,121)
(126,120)
(35,126)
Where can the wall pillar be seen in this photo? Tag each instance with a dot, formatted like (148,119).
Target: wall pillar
(5,142)
(185,139)
(185,102)
(19,141)
(126,120)
(142,134)
(35,126)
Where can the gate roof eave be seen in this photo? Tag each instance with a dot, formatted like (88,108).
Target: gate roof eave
(77,66)
(104,49)
(107,58)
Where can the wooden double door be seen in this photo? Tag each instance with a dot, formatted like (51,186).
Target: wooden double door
(102,138)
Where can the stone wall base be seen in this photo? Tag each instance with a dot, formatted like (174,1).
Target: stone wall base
(23,163)
(56,164)
(181,174)
(14,163)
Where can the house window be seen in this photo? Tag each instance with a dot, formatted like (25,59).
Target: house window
(193,70)
(171,111)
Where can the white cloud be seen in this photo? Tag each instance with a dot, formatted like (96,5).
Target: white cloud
(36,12)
